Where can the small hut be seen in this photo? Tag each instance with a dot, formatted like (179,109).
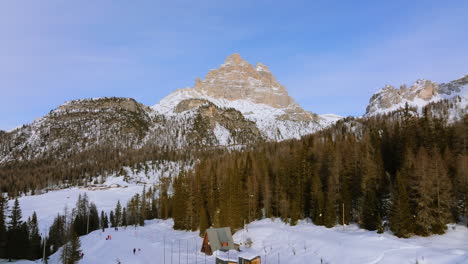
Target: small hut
(218,239)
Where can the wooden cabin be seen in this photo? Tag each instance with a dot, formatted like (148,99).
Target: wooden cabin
(249,260)
(218,239)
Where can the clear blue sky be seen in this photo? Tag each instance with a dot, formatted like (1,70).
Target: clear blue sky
(331,55)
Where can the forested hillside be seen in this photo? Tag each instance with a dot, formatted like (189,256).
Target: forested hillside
(400,171)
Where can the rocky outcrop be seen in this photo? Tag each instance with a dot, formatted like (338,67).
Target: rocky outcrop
(417,95)
(236,79)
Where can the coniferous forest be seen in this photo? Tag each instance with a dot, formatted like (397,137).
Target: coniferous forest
(397,172)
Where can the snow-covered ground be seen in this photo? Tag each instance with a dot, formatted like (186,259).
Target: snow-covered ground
(275,242)
(272,239)
(104,195)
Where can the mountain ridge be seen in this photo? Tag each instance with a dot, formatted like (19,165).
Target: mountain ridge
(419,94)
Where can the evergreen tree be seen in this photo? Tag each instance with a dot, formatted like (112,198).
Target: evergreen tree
(317,203)
(35,238)
(93,217)
(112,219)
(57,233)
(104,221)
(370,216)
(16,234)
(401,220)
(124,217)
(71,252)
(3,229)
(118,214)
(143,208)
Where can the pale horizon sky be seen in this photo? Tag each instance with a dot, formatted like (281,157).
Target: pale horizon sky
(331,55)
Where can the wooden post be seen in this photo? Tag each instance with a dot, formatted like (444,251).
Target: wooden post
(43,253)
(343,215)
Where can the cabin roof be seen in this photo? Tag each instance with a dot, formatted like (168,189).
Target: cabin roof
(220,239)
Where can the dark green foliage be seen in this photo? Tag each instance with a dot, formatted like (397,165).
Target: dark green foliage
(104,221)
(112,219)
(93,218)
(34,238)
(57,233)
(18,235)
(71,250)
(124,217)
(118,214)
(3,228)
(401,218)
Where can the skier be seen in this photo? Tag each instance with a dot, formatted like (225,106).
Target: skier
(134,250)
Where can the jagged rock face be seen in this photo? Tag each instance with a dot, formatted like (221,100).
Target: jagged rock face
(236,79)
(253,91)
(418,95)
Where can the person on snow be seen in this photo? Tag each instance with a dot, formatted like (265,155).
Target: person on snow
(134,250)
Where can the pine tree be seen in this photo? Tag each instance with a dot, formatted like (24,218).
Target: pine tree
(15,235)
(35,238)
(57,233)
(104,221)
(118,214)
(3,229)
(401,222)
(124,217)
(93,217)
(112,219)
(370,216)
(317,203)
(71,252)
(143,208)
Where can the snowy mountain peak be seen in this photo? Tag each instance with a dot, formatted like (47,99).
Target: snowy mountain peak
(251,90)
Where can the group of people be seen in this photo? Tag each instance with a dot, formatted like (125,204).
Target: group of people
(135,250)
(108,237)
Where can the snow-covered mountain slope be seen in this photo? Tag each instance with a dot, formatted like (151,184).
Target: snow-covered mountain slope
(420,94)
(255,93)
(79,125)
(236,104)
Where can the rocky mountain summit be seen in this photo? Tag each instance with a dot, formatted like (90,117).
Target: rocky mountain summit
(420,94)
(252,90)
(235,105)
